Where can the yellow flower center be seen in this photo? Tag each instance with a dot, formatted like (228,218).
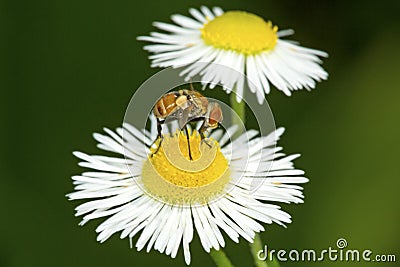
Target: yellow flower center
(240,31)
(169,175)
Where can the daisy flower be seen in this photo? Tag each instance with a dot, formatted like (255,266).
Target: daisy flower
(140,192)
(242,41)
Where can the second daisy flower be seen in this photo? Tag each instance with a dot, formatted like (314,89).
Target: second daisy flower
(242,41)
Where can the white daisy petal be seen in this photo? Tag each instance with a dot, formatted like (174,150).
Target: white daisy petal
(157,222)
(232,224)
(171,28)
(207,12)
(164,48)
(197,15)
(186,22)
(261,75)
(285,33)
(217,11)
(159,39)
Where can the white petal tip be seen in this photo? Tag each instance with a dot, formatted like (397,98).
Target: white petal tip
(279,131)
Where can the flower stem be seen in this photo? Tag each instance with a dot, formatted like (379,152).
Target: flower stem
(239,109)
(220,258)
(254,248)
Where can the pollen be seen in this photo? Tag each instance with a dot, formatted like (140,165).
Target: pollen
(240,31)
(169,174)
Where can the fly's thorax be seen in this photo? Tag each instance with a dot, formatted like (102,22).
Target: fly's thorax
(178,103)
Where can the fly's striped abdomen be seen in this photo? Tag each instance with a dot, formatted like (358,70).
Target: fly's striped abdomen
(165,106)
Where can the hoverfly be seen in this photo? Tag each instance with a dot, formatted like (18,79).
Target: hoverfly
(186,106)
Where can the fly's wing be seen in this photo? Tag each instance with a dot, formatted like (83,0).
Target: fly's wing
(183,118)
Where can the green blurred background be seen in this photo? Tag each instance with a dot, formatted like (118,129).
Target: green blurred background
(68,68)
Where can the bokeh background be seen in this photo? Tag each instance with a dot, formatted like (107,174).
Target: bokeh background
(69,68)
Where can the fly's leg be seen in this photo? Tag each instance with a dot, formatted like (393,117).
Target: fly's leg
(183,123)
(159,136)
(188,141)
(203,129)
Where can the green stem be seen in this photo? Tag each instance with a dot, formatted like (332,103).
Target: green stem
(220,258)
(239,109)
(255,247)
(274,263)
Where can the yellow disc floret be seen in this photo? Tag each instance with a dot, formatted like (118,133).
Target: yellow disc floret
(240,31)
(169,175)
